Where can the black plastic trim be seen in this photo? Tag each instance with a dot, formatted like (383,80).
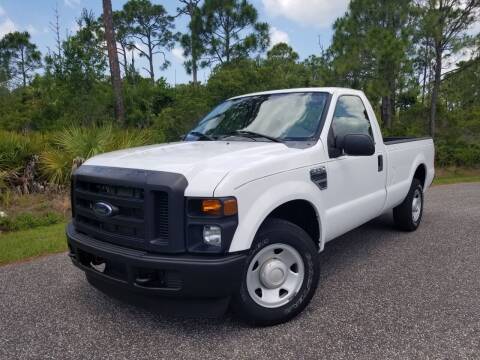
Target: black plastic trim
(151,182)
(399,139)
(358,145)
(194,235)
(380,162)
(319,177)
(199,276)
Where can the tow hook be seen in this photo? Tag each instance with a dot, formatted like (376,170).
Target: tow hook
(98,264)
(144,280)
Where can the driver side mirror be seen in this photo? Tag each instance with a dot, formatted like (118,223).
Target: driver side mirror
(358,145)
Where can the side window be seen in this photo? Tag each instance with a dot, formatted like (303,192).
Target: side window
(350,117)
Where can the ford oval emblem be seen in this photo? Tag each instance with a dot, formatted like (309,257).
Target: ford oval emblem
(104,209)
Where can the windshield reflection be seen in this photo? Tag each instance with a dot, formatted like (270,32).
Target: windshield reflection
(290,116)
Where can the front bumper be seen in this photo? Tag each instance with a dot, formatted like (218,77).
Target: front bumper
(153,274)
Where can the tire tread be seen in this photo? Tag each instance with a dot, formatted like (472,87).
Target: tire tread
(251,313)
(402,214)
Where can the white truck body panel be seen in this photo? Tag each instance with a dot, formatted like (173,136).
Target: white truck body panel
(265,175)
(402,161)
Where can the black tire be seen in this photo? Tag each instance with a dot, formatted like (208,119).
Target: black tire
(403,213)
(277,231)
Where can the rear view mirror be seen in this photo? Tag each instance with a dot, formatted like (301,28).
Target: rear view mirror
(358,145)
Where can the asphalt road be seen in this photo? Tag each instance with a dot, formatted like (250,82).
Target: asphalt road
(383,294)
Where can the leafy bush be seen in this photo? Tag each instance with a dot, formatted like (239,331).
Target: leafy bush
(144,101)
(15,152)
(190,104)
(28,221)
(76,144)
(16,149)
(457,153)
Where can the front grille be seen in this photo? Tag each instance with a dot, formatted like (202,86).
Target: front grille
(139,209)
(128,223)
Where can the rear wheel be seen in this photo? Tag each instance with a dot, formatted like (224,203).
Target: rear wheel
(408,214)
(281,275)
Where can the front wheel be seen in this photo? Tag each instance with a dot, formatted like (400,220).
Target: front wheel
(281,275)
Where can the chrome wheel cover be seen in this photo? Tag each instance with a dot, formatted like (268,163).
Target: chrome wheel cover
(275,275)
(416,205)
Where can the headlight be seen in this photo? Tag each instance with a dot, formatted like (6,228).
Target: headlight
(212,235)
(211,224)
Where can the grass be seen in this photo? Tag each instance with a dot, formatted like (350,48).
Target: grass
(27,221)
(23,212)
(20,245)
(456,175)
(34,225)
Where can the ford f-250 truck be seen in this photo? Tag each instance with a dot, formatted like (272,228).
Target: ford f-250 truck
(243,206)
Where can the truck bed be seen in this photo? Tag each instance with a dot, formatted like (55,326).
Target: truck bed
(390,140)
(404,154)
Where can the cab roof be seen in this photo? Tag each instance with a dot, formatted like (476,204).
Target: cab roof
(330,90)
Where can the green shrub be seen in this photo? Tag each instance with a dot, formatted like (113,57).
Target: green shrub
(28,221)
(16,149)
(456,153)
(144,100)
(80,143)
(191,103)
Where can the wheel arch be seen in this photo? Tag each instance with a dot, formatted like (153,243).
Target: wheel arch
(282,209)
(302,213)
(421,174)
(418,169)
(264,198)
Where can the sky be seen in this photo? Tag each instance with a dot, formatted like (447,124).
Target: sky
(306,25)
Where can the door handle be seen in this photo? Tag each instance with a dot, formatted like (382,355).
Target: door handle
(380,163)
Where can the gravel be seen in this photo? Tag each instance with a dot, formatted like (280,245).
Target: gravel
(382,294)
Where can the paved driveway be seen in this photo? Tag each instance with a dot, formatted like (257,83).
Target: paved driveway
(383,294)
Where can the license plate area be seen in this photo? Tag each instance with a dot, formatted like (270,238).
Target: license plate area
(104,266)
(137,276)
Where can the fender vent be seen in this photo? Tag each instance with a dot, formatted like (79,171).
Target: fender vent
(319,177)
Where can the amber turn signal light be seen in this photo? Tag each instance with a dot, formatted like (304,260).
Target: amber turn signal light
(211,207)
(217,208)
(230,207)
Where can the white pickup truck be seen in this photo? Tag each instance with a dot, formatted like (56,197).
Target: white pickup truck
(242,207)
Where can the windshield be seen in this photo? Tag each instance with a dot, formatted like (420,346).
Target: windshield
(290,116)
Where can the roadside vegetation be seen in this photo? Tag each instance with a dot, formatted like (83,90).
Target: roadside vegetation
(23,212)
(27,244)
(59,108)
(33,225)
(445,176)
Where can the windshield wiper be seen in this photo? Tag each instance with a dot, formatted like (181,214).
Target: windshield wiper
(201,135)
(252,134)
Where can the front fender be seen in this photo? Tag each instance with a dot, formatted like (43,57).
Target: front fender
(257,199)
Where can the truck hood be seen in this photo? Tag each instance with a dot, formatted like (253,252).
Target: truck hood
(203,163)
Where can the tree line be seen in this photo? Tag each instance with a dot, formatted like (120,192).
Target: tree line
(417,61)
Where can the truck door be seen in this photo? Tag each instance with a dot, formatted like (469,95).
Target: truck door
(356,191)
